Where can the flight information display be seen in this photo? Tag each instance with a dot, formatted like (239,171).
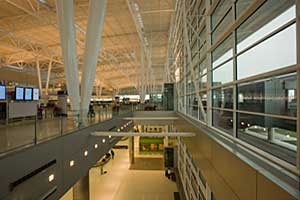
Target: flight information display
(36,94)
(28,94)
(19,93)
(2,92)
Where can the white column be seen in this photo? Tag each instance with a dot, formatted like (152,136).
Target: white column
(65,13)
(148,73)
(39,75)
(100,91)
(92,46)
(142,75)
(48,76)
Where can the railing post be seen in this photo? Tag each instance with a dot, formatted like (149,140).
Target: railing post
(99,114)
(35,129)
(61,125)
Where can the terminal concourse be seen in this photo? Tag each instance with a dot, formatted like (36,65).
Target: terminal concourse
(150,99)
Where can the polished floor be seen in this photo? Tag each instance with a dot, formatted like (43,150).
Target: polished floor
(121,183)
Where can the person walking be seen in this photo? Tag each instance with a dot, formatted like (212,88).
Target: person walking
(112,154)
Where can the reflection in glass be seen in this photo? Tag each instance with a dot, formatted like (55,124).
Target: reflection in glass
(274,53)
(223,97)
(274,135)
(219,12)
(223,74)
(226,22)
(223,120)
(203,82)
(223,52)
(203,96)
(195,106)
(202,67)
(274,95)
(241,6)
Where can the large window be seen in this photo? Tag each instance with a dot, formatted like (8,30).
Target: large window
(223,74)
(221,18)
(273,38)
(274,53)
(245,58)
(223,52)
(222,62)
(223,120)
(274,95)
(223,98)
(274,135)
(269,17)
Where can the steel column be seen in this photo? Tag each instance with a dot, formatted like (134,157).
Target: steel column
(142,75)
(92,47)
(65,13)
(39,75)
(48,76)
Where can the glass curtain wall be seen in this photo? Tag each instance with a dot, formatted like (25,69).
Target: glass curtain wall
(244,61)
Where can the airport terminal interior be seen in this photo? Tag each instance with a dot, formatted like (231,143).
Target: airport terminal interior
(150,99)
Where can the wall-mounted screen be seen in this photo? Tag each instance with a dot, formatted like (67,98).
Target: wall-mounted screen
(36,94)
(28,94)
(2,92)
(19,91)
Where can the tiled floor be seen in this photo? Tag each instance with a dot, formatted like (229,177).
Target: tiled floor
(120,183)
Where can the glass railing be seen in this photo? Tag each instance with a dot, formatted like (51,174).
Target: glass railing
(148,107)
(27,131)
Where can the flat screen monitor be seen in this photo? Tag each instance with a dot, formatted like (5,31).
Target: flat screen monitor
(2,92)
(36,94)
(28,94)
(19,93)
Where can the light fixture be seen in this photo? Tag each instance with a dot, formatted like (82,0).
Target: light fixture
(96,146)
(118,130)
(72,163)
(122,128)
(86,153)
(109,136)
(51,178)
(103,140)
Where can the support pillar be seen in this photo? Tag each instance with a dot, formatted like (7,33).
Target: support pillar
(81,189)
(131,149)
(100,91)
(48,76)
(39,75)
(92,47)
(65,13)
(142,75)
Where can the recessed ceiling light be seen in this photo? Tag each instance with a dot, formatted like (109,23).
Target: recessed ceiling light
(96,146)
(86,153)
(51,178)
(103,140)
(72,163)
(109,136)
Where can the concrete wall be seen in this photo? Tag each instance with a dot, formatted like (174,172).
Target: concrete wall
(63,149)
(229,177)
